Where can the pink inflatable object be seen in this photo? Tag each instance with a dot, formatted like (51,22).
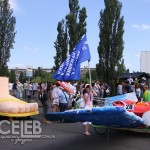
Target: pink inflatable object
(12,105)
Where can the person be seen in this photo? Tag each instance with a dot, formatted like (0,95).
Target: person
(88,98)
(119,88)
(43,97)
(69,100)
(136,81)
(35,89)
(10,86)
(146,95)
(106,90)
(49,90)
(62,100)
(132,87)
(26,89)
(19,90)
(127,87)
(137,91)
(76,97)
(55,96)
(130,80)
(14,89)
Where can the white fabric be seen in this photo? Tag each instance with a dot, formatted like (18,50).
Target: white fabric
(81,103)
(146,118)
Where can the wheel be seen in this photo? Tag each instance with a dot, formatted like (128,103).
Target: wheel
(100,130)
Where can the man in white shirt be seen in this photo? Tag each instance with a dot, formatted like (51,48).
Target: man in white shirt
(130,80)
(35,89)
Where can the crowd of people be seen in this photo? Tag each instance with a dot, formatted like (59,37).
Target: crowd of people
(29,90)
(140,87)
(55,98)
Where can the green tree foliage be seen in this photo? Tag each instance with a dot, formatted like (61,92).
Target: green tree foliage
(70,30)
(41,76)
(4,71)
(39,72)
(93,75)
(45,77)
(22,77)
(76,23)
(111,45)
(60,45)
(12,76)
(7,34)
(38,79)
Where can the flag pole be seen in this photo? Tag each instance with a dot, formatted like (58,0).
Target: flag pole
(89,72)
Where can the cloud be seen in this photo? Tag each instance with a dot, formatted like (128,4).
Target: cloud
(31,49)
(141,27)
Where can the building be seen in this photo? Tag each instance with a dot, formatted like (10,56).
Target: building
(85,70)
(145,61)
(18,70)
(28,70)
(138,75)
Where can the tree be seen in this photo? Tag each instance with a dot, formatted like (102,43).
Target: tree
(76,23)
(111,45)
(60,45)
(70,30)
(22,77)
(7,34)
(12,76)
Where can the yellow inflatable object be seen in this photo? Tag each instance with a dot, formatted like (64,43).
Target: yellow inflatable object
(13,107)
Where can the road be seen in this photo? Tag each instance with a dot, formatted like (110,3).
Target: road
(69,137)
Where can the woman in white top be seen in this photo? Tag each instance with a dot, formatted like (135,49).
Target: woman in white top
(88,98)
(55,96)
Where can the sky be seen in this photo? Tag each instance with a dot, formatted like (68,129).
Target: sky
(36,26)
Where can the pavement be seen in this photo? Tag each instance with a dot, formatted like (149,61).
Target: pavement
(69,136)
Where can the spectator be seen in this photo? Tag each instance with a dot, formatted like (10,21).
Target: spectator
(43,97)
(10,87)
(88,98)
(55,95)
(26,90)
(132,87)
(130,80)
(146,95)
(127,87)
(14,89)
(137,91)
(63,100)
(35,89)
(119,88)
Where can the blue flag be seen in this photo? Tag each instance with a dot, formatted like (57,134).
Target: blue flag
(70,68)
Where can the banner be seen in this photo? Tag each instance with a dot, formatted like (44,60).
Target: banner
(70,68)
